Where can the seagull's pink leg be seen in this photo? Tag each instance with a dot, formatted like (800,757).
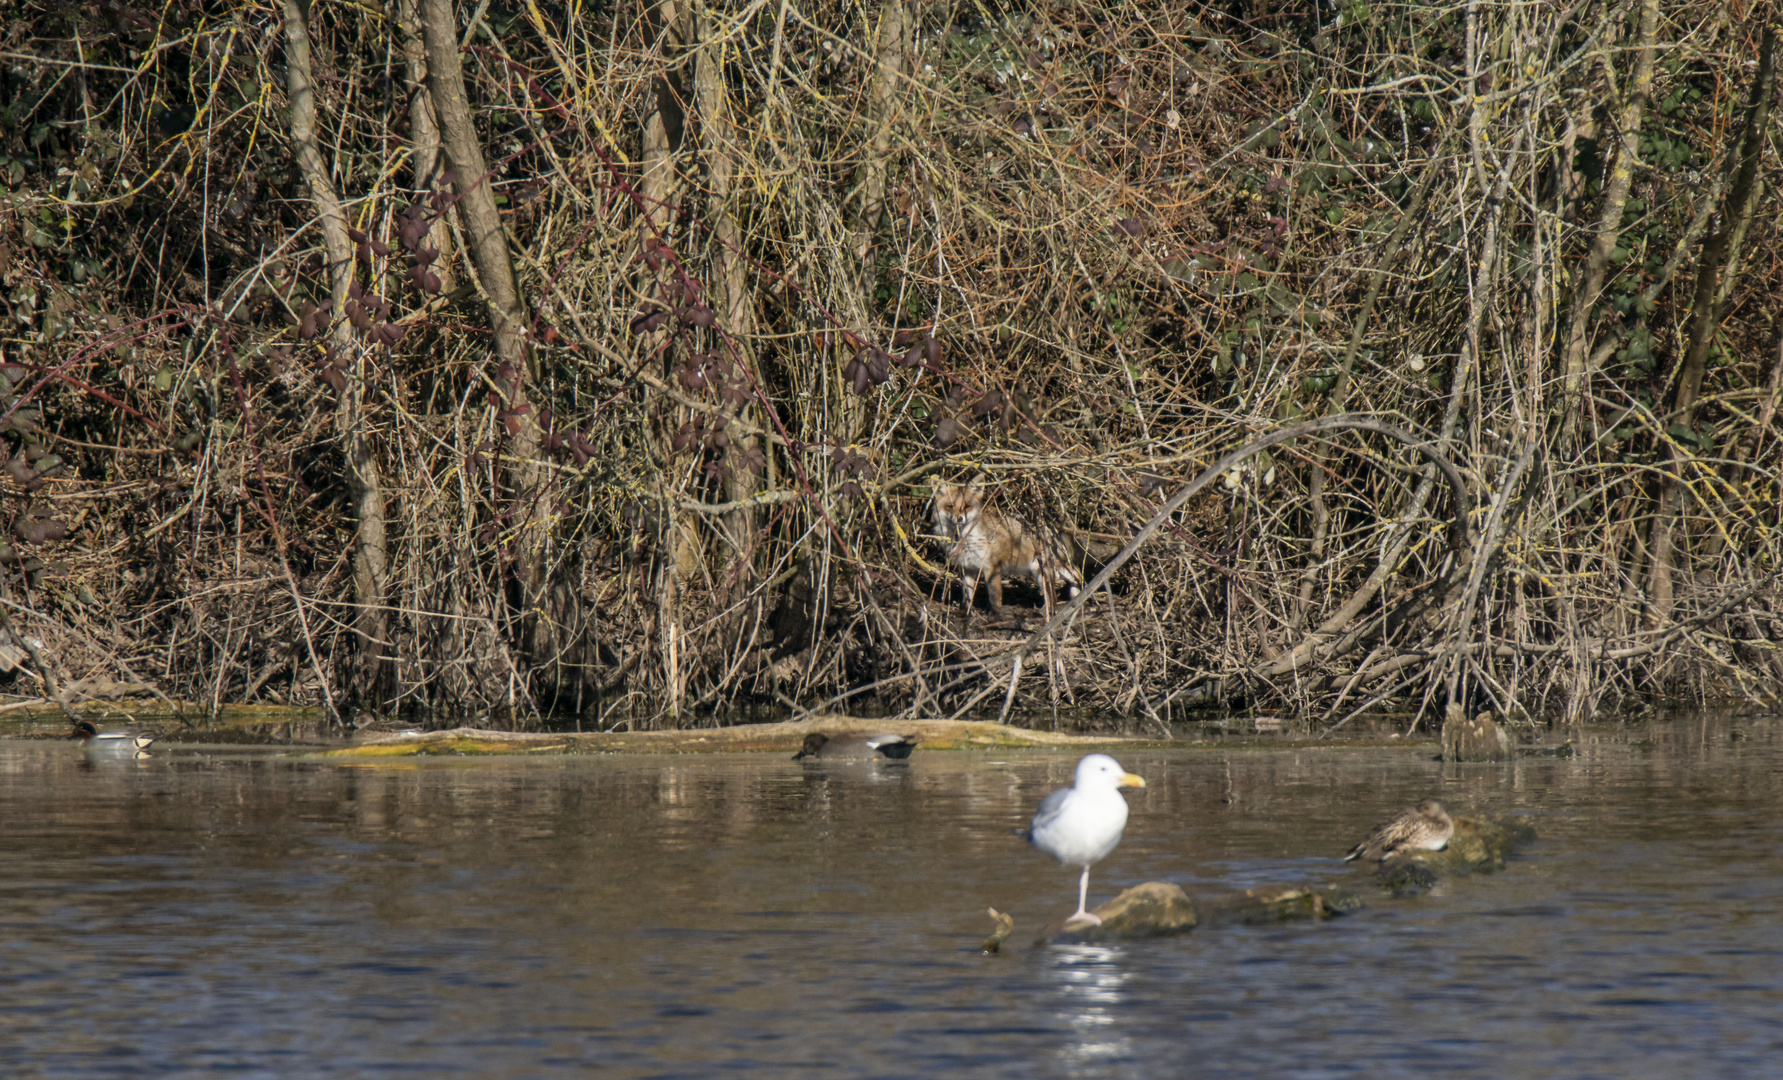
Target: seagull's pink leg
(1083,895)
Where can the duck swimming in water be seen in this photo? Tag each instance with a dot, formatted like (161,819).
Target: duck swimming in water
(112,740)
(881,747)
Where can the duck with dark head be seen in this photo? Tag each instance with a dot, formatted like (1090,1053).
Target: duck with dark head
(111,740)
(856,747)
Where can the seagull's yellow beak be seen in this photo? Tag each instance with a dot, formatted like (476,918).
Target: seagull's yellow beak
(1129,780)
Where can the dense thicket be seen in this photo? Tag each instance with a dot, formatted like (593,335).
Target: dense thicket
(602,358)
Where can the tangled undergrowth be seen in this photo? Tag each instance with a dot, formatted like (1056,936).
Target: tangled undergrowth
(601,360)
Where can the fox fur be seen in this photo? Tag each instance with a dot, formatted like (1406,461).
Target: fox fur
(989,544)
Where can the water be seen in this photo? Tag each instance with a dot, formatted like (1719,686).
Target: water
(697,916)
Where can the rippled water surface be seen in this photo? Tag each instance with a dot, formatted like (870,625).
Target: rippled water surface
(254,915)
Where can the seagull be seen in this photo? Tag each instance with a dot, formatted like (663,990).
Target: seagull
(880,747)
(1081,824)
(1425,827)
(115,741)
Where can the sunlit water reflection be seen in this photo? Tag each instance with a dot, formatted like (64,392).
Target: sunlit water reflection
(701,916)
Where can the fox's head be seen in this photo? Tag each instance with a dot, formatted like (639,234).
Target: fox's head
(957,507)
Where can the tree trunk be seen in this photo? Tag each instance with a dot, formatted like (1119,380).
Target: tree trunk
(664,124)
(488,248)
(1706,312)
(427,161)
(364,482)
(897,22)
(729,282)
(659,183)
(1609,226)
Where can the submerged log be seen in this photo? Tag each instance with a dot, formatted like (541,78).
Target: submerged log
(1005,927)
(1160,909)
(1277,904)
(1477,847)
(1478,739)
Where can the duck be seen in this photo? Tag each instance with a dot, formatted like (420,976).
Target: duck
(1082,824)
(877,747)
(1425,827)
(112,741)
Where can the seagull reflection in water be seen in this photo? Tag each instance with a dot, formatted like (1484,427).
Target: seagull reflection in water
(1090,981)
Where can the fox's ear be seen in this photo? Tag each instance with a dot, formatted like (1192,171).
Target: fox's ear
(977,483)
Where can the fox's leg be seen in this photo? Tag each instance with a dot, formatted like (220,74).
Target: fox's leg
(1057,570)
(1042,575)
(993,588)
(968,588)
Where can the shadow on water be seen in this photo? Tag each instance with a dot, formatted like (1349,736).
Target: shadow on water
(720,914)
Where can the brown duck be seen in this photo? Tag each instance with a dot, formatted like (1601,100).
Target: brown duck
(1425,827)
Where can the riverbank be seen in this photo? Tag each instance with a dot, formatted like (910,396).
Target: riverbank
(310,729)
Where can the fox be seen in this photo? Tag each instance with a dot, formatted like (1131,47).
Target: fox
(989,544)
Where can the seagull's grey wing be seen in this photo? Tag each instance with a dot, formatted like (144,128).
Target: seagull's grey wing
(1050,809)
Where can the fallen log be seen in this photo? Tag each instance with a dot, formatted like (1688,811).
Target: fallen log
(1160,909)
(780,738)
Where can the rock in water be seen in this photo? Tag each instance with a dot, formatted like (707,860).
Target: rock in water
(1478,739)
(1154,909)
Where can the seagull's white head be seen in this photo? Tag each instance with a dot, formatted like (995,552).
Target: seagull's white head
(1101,772)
